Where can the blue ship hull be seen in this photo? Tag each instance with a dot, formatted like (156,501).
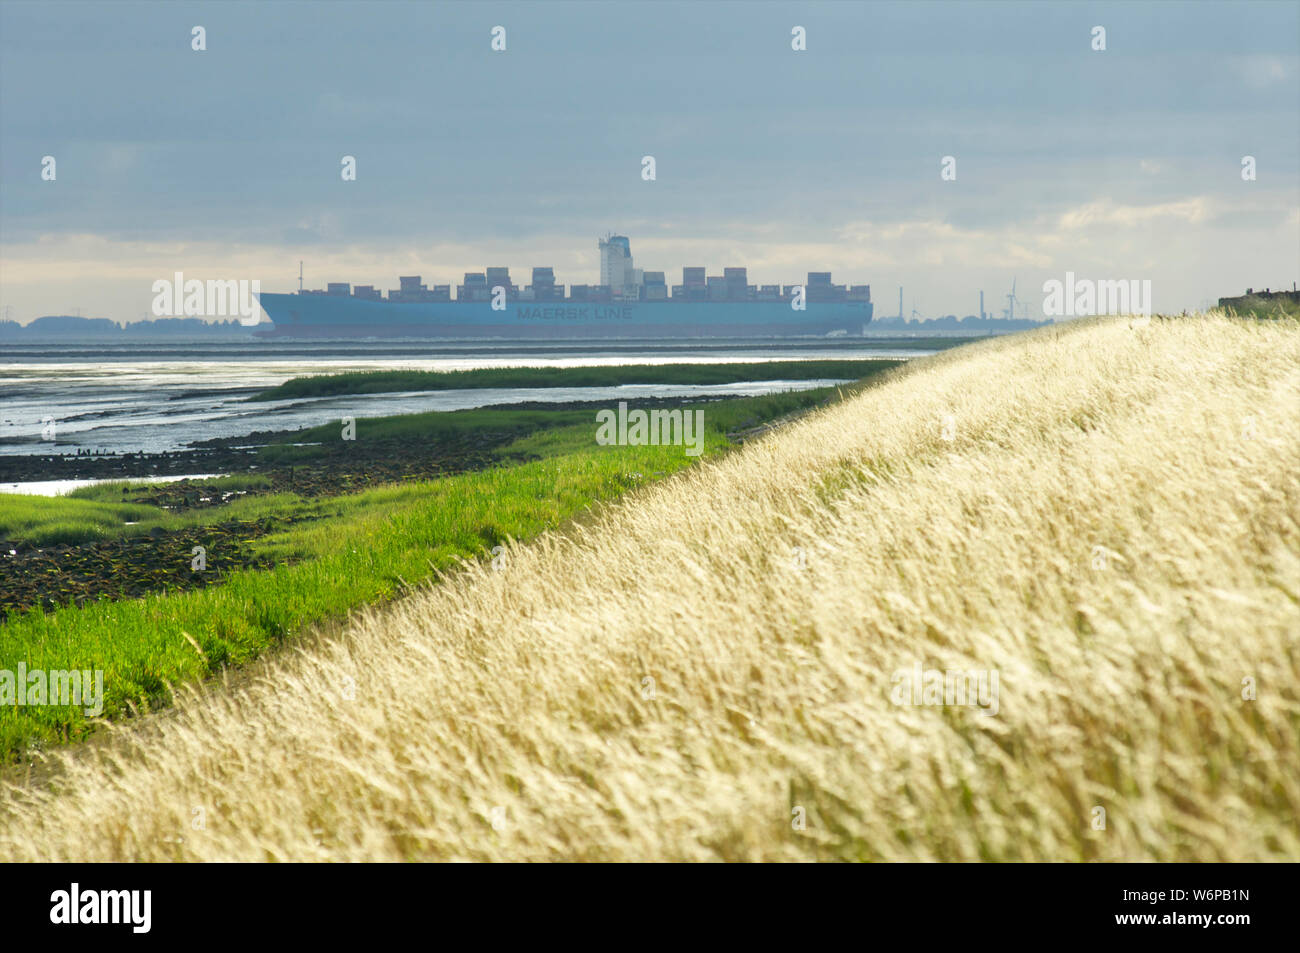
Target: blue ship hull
(333,316)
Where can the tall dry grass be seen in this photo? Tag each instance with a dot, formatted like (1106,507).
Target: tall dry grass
(506,715)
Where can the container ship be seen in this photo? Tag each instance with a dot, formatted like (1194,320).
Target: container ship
(628,303)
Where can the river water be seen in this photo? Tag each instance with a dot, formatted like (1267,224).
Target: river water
(160,397)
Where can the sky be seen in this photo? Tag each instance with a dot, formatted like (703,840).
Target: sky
(225,163)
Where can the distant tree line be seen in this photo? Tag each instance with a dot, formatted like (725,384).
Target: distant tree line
(67,325)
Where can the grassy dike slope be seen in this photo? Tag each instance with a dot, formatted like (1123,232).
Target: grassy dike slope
(522,695)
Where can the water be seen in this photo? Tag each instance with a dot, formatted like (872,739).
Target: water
(60,487)
(161,397)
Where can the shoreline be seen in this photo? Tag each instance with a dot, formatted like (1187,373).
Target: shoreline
(236,455)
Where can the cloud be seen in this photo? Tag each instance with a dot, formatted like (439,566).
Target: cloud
(1107,212)
(1262,70)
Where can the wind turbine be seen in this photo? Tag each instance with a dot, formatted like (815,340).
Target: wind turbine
(1011,301)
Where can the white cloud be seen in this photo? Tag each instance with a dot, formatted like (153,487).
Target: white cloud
(1262,70)
(1107,212)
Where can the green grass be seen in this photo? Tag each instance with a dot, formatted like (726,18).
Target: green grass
(111,491)
(51,521)
(48,521)
(342,552)
(375,382)
(96,512)
(432,425)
